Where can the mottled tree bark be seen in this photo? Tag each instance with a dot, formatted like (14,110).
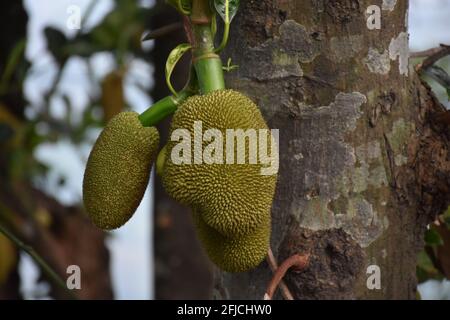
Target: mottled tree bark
(363,164)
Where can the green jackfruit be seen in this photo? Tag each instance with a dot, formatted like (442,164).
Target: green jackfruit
(234,254)
(112,94)
(234,198)
(160,160)
(118,170)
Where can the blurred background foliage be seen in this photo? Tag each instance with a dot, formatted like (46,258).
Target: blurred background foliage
(433,262)
(59,231)
(53,103)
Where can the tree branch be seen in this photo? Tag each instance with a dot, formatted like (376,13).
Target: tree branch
(163,31)
(432,55)
(53,276)
(424,53)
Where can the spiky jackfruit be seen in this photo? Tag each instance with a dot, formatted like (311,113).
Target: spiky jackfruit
(234,198)
(160,160)
(234,254)
(118,170)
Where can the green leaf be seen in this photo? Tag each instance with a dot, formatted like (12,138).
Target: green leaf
(230,67)
(446,217)
(448,93)
(172,60)
(432,237)
(56,42)
(13,61)
(183,6)
(425,269)
(227,9)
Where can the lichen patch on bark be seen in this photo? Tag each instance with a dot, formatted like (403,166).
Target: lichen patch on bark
(389,5)
(345,48)
(334,197)
(361,221)
(398,48)
(281,56)
(377,62)
(371,150)
(399,136)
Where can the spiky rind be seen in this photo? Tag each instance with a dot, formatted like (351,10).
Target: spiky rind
(118,170)
(234,198)
(234,254)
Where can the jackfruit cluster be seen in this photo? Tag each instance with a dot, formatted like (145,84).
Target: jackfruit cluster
(232,201)
(118,170)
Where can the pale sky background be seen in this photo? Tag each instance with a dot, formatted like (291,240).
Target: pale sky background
(132,266)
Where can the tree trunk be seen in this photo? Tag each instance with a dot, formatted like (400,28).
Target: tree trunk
(363,165)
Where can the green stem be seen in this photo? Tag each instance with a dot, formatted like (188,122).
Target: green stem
(206,62)
(52,275)
(162,109)
(210,74)
(226,30)
(168,105)
(226,33)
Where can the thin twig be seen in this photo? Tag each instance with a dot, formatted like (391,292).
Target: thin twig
(425,53)
(53,276)
(87,14)
(285,292)
(163,31)
(32,232)
(187,26)
(297,261)
(432,56)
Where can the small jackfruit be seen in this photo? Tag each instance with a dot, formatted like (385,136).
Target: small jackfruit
(160,160)
(112,98)
(234,254)
(234,198)
(118,170)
